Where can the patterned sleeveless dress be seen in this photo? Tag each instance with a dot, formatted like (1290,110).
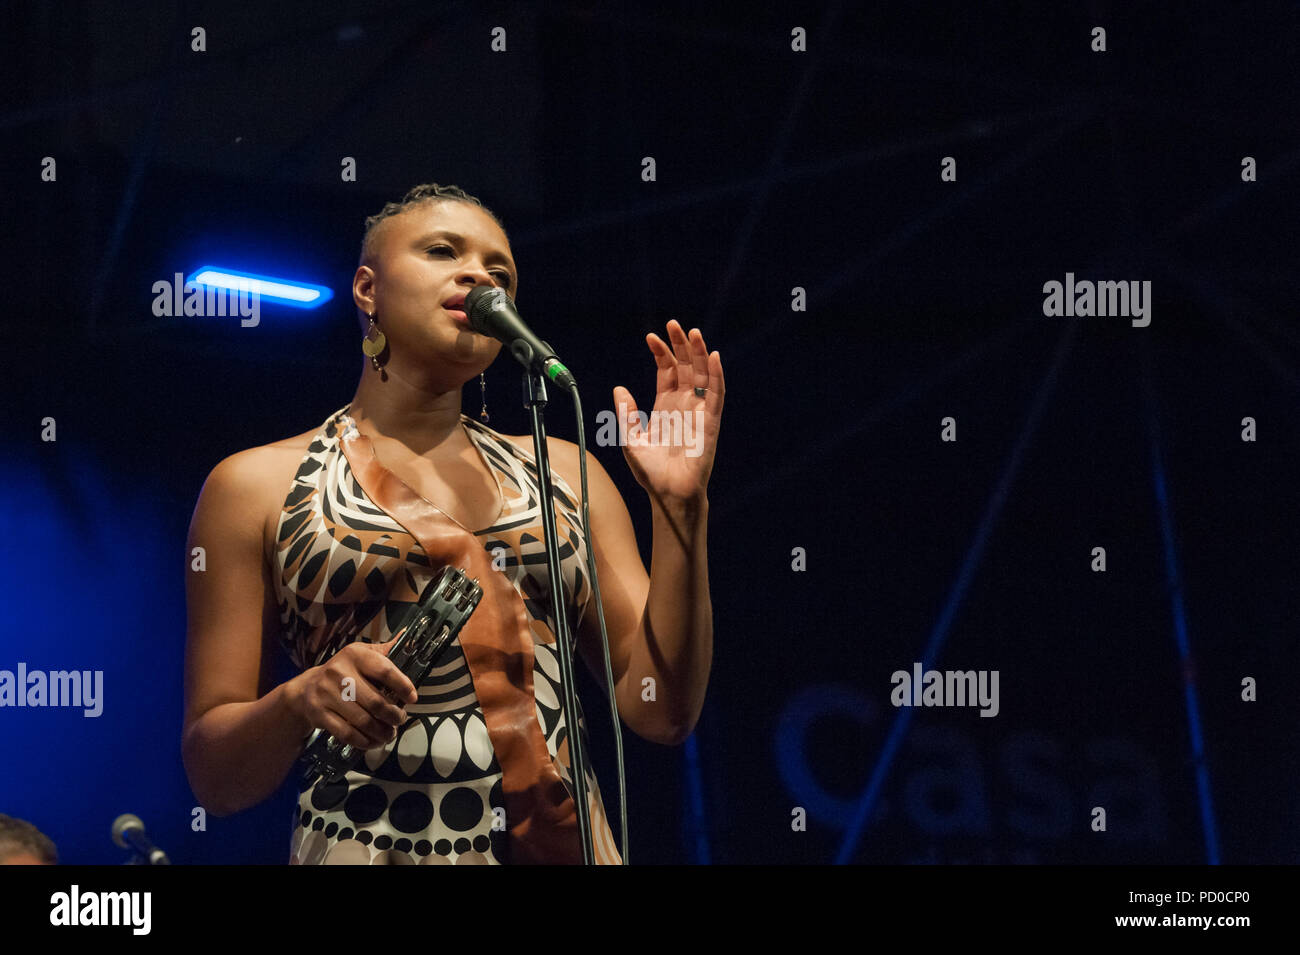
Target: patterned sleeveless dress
(347,569)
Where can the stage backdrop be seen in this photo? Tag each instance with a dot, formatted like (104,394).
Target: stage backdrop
(1002,539)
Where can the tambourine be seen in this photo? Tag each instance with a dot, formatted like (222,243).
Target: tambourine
(423,633)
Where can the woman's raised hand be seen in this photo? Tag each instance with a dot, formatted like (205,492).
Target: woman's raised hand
(671,453)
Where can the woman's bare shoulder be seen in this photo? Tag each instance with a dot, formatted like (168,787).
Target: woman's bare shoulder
(298,443)
(256,480)
(270,459)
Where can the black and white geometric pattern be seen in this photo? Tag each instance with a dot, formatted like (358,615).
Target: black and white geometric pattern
(347,571)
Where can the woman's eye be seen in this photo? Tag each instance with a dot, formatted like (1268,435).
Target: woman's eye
(505,276)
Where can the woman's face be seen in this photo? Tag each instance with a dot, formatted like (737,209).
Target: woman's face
(420,259)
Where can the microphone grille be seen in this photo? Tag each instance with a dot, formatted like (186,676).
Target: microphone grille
(121,824)
(481,302)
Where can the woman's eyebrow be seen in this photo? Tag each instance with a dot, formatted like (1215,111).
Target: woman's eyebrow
(496,255)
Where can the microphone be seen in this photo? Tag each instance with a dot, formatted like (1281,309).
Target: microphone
(492,312)
(128,832)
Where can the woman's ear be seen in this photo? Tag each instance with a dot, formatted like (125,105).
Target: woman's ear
(363,289)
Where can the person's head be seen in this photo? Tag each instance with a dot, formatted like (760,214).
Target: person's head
(21,843)
(435,245)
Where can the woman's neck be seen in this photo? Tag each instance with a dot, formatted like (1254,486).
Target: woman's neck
(400,410)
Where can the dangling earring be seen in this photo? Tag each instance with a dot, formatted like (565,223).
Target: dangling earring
(374,347)
(482,387)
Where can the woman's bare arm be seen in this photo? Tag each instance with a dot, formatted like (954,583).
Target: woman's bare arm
(239,742)
(237,746)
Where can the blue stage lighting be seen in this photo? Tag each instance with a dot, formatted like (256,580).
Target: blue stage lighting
(268,288)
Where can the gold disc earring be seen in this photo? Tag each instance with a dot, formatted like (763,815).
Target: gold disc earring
(373,347)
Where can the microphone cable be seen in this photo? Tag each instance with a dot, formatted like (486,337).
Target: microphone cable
(600,614)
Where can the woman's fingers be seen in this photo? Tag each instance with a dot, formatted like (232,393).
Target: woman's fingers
(362,729)
(717,384)
(665,364)
(383,711)
(386,675)
(340,728)
(681,345)
(687,357)
(389,674)
(699,359)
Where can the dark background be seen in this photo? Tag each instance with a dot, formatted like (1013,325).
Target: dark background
(775,169)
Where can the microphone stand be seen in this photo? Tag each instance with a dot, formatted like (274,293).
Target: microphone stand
(535,401)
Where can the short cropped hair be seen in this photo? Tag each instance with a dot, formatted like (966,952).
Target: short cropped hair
(17,836)
(426,192)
